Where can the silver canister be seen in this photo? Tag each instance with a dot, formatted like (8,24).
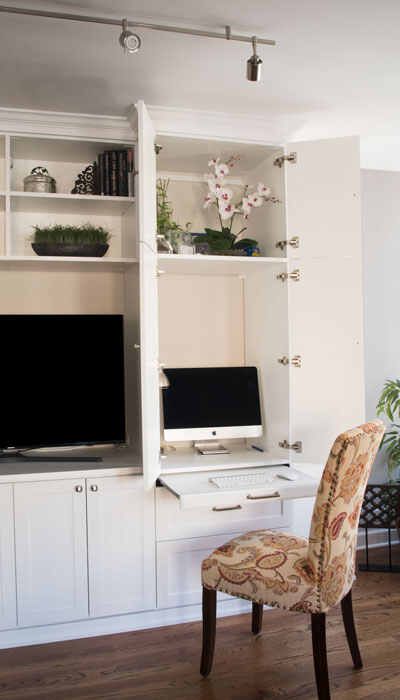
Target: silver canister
(39,180)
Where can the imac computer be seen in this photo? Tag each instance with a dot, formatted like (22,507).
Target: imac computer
(211,403)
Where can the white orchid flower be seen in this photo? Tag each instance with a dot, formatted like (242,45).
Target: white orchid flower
(246,206)
(214,186)
(226,210)
(208,201)
(264,190)
(221,170)
(225,194)
(213,161)
(255,199)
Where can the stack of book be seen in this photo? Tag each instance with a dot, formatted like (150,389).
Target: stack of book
(116,173)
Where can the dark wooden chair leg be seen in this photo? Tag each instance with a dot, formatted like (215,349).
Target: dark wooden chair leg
(257,618)
(209,625)
(318,625)
(350,628)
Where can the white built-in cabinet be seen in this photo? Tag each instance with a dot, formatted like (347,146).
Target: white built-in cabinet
(83,547)
(95,547)
(295,312)
(8,608)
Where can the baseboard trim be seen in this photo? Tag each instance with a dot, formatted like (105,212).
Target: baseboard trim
(116,624)
(143,620)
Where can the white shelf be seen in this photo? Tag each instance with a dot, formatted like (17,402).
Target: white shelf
(59,262)
(221,263)
(65,195)
(61,202)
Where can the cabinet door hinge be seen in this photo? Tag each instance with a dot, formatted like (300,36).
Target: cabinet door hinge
(294,242)
(294,275)
(295,361)
(295,446)
(290,158)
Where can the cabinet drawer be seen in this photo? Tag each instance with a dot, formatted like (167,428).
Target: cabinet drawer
(173,522)
(179,570)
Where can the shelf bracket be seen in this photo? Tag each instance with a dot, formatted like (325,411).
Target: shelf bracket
(290,158)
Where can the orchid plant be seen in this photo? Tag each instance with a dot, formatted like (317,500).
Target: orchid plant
(221,197)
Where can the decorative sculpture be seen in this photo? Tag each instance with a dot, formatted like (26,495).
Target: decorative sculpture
(87,181)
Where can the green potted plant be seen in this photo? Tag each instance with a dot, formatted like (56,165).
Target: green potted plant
(389,406)
(168,231)
(81,241)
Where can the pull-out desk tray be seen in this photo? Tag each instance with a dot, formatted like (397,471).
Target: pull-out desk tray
(196,489)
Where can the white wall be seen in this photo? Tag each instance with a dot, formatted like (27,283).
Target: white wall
(381,250)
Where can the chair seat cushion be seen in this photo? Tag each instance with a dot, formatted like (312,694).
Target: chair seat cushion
(267,567)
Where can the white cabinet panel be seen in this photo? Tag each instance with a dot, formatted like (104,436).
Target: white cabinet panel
(147,225)
(179,570)
(327,392)
(173,522)
(323,197)
(51,555)
(8,612)
(210,306)
(121,545)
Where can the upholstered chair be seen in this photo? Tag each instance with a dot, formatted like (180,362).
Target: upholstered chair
(308,575)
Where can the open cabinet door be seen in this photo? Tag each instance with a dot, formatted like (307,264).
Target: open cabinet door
(325,302)
(147,225)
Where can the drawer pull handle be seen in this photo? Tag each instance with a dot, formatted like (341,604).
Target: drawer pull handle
(276,494)
(219,510)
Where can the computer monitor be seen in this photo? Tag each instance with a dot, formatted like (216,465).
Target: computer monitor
(205,403)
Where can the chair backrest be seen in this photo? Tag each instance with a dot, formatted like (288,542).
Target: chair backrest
(334,525)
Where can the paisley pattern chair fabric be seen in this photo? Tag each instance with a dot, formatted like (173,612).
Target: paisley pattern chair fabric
(279,569)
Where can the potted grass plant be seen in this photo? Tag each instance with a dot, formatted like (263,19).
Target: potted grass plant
(80,241)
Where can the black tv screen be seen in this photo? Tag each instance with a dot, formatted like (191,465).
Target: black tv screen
(62,380)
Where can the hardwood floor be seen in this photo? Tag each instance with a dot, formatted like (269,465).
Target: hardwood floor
(163,664)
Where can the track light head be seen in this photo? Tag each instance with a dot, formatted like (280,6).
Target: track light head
(129,41)
(254,64)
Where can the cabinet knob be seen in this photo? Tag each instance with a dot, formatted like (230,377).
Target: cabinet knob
(79,489)
(94,487)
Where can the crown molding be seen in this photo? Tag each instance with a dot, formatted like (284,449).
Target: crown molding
(172,121)
(65,124)
(217,125)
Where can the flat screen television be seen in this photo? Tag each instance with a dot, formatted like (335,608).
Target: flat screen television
(204,403)
(62,381)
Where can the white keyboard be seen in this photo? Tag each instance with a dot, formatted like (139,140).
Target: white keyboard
(237,481)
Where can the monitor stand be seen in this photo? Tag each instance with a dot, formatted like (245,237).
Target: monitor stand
(20,456)
(211,448)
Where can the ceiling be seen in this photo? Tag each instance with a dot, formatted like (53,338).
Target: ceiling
(335,70)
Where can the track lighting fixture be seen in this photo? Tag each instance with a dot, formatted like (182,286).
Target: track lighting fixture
(254,63)
(129,41)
